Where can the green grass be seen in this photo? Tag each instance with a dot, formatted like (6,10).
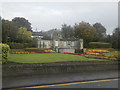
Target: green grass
(48,57)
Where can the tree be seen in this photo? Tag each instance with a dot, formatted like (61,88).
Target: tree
(22,22)
(85,31)
(5,30)
(109,39)
(116,38)
(101,30)
(9,31)
(56,34)
(24,36)
(67,31)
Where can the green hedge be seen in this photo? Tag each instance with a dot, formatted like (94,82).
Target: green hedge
(4,50)
(100,45)
(34,50)
(13,51)
(19,45)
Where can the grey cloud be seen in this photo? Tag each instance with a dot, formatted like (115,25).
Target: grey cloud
(46,16)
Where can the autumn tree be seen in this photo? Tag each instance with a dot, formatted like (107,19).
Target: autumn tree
(85,31)
(101,30)
(24,36)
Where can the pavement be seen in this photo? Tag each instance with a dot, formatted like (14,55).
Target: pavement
(29,80)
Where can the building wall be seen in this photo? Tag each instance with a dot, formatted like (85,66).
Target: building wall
(62,50)
(45,44)
(63,46)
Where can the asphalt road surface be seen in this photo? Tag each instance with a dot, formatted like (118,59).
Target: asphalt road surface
(105,83)
(90,84)
(38,80)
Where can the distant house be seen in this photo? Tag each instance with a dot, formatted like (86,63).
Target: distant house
(56,43)
(37,34)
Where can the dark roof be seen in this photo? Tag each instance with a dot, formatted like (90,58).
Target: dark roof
(37,34)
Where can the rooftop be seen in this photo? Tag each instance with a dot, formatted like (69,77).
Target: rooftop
(37,34)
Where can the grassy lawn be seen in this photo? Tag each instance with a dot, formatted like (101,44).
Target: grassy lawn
(48,57)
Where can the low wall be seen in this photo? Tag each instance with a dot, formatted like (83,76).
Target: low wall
(12,69)
(62,50)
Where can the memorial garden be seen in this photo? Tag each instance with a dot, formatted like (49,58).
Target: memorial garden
(83,42)
(35,55)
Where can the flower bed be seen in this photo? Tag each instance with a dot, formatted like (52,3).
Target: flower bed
(110,54)
(51,51)
(42,52)
(100,57)
(94,53)
(22,51)
(97,50)
(73,53)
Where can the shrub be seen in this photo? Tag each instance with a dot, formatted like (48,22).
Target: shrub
(4,51)
(100,45)
(19,51)
(13,51)
(34,50)
(14,45)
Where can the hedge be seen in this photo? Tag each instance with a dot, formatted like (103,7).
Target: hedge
(4,51)
(13,51)
(34,49)
(99,45)
(19,45)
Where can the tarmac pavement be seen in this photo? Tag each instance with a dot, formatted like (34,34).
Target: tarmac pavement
(28,80)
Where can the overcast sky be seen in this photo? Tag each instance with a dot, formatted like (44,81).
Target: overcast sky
(49,15)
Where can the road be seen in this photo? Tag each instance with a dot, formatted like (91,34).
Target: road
(106,83)
(33,80)
(109,83)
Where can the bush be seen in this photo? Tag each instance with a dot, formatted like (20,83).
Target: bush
(4,51)
(34,50)
(19,45)
(100,45)
(13,51)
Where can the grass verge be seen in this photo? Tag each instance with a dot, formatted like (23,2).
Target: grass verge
(48,58)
